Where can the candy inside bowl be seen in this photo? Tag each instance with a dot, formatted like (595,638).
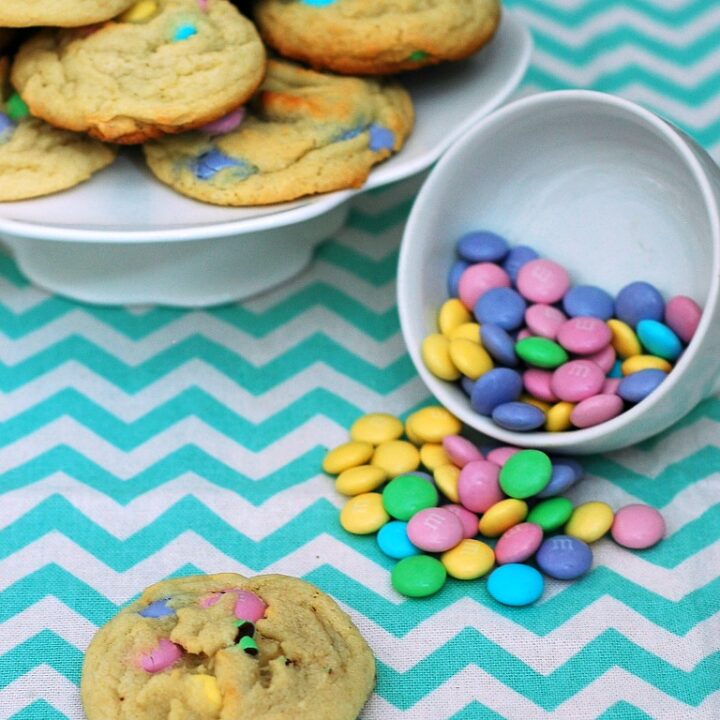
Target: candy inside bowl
(603,187)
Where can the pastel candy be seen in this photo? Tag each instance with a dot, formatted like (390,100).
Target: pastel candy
(435,351)
(248,606)
(564,557)
(380,138)
(537,383)
(482,246)
(501,306)
(495,387)
(156,609)
(610,386)
(396,457)
(636,363)
(551,514)
(212,162)
(408,494)
(543,281)
(433,423)
(376,428)
(525,474)
(595,410)
(659,339)
(584,335)
(499,344)
(452,313)
(418,576)
(468,520)
(541,352)
(348,455)
(517,257)
(501,455)
(435,530)
(393,540)
(544,320)
(468,560)
(563,478)
(225,124)
(588,300)
(519,543)
(162,656)
(184,32)
(590,521)
(577,380)
(364,514)
(460,450)
(636,387)
(682,315)
(639,301)
(7,127)
(453,279)
(478,486)
(502,516)
(515,584)
(478,279)
(518,416)
(638,527)
(604,359)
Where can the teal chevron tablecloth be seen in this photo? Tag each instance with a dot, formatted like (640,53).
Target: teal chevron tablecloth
(142,443)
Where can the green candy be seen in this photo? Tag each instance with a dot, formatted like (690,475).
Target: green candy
(16,108)
(417,55)
(541,352)
(248,645)
(525,474)
(551,514)
(418,576)
(408,494)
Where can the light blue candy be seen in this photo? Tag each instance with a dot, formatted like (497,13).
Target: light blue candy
(495,387)
(563,478)
(518,416)
(501,306)
(482,246)
(318,3)
(658,339)
(515,584)
(184,32)
(499,344)
(616,370)
(639,301)
(588,301)
(393,540)
(639,385)
(381,138)
(456,270)
(564,557)
(517,257)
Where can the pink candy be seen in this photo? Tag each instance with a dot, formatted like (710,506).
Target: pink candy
(162,656)
(584,335)
(478,279)
(543,281)
(537,383)
(435,530)
(637,527)
(518,543)
(577,380)
(249,606)
(683,315)
(610,386)
(468,520)
(595,410)
(544,320)
(501,455)
(604,359)
(225,124)
(460,450)
(478,486)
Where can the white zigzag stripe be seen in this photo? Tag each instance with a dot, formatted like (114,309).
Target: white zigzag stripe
(41,683)
(672,584)
(472,683)
(198,375)
(578,36)
(573,5)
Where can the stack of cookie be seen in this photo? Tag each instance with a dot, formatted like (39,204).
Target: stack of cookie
(190,79)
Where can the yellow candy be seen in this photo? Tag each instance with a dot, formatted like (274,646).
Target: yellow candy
(590,521)
(376,428)
(452,313)
(468,560)
(435,353)
(347,455)
(396,457)
(470,358)
(468,331)
(636,363)
(432,455)
(557,417)
(204,693)
(530,400)
(364,514)
(139,12)
(446,478)
(502,516)
(432,424)
(360,479)
(412,436)
(624,339)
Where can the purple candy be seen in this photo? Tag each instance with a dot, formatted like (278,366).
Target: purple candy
(517,257)
(381,138)
(157,609)
(467,385)
(589,301)
(639,301)
(639,385)
(482,246)
(499,344)
(518,416)
(457,269)
(225,124)
(564,557)
(501,306)
(495,387)
(7,126)
(212,162)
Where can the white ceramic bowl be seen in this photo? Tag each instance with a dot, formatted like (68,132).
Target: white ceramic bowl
(125,238)
(604,187)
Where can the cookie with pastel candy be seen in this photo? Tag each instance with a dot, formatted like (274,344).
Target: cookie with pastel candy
(59,13)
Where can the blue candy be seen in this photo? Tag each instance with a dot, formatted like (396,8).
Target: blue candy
(515,584)
(588,301)
(639,385)
(564,557)
(7,127)
(501,306)
(157,609)
(381,138)
(658,339)
(482,246)
(517,257)
(563,478)
(456,270)
(350,134)
(318,3)
(213,161)
(495,387)
(639,301)
(467,385)
(518,416)
(184,32)
(499,344)
(393,540)
(616,370)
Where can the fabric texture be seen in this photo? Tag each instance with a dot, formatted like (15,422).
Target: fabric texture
(139,444)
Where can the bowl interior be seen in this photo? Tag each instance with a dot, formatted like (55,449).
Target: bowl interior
(585,179)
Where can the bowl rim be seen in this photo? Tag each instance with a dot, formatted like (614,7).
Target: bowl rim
(574,440)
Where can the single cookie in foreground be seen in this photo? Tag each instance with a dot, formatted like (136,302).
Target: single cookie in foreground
(37,159)
(60,13)
(162,67)
(225,646)
(304,133)
(368,37)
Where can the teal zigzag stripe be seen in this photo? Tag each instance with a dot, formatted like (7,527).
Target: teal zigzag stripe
(39,709)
